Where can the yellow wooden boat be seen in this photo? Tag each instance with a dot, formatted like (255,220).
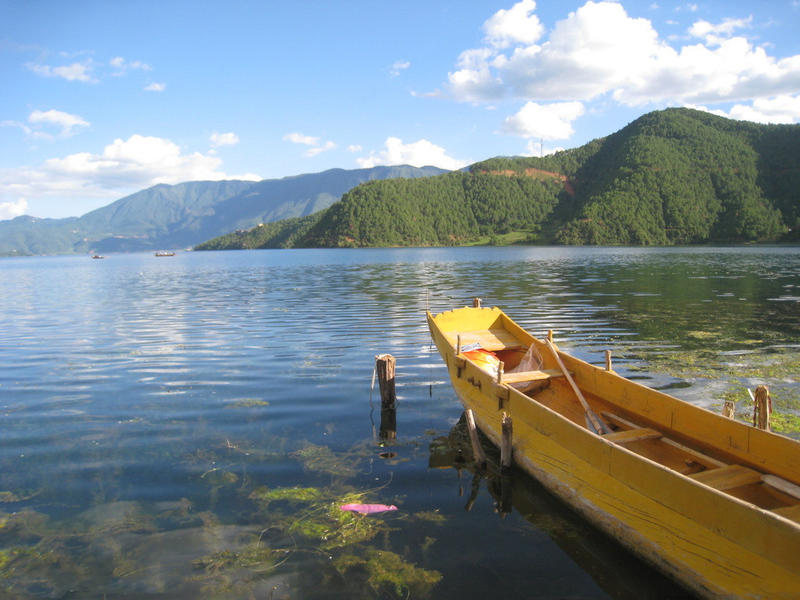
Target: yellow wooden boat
(712,502)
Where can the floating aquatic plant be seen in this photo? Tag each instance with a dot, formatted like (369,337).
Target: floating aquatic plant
(248,403)
(290,494)
(321,459)
(386,571)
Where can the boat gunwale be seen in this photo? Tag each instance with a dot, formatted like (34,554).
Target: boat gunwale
(734,429)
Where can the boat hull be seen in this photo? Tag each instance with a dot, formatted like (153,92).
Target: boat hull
(714,544)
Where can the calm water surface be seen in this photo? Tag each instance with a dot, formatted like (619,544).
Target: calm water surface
(188,427)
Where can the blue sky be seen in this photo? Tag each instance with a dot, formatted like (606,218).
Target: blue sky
(102,99)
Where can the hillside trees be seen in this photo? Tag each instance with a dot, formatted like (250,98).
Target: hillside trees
(676,176)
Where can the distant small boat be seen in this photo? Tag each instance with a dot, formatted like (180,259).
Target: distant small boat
(97,256)
(164,253)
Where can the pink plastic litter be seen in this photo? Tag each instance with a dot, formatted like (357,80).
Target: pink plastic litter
(368,509)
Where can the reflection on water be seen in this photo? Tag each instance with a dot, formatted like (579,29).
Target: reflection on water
(157,414)
(611,567)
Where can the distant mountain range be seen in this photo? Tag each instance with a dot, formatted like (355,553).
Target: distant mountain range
(182,215)
(676,176)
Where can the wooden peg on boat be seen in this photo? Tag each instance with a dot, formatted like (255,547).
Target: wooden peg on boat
(458,344)
(762,408)
(608,360)
(729,409)
(500,368)
(550,335)
(476,302)
(477,449)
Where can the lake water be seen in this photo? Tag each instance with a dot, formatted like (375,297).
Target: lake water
(188,427)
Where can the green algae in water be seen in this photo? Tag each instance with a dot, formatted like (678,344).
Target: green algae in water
(386,571)
(321,459)
(248,403)
(430,516)
(219,477)
(333,528)
(776,367)
(295,494)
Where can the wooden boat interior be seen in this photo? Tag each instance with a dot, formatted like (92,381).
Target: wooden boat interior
(673,449)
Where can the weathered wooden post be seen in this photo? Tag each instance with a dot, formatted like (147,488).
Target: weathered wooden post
(762,408)
(477,450)
(506,458)
(385,367)
(729,409)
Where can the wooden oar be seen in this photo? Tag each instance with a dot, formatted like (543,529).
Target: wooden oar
(595,422)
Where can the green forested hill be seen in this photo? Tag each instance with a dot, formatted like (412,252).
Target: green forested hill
(677,176)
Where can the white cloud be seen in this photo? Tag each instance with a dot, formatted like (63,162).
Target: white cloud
(599,50)
(314,150)
(41,122)
(514,26)
(716,34)
(79,71)
(474,80)
(417,154)
(9,210)
(314,143)
(224,139)
(124,166)
(155,87)
(354,148)
(67,123)
(544,121)
(122,66)
(780,109)
(398,66)
(299,138)
(537,148)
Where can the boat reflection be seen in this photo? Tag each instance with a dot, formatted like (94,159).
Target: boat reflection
(613,568)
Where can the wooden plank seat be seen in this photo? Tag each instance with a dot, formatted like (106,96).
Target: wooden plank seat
(488,339)
(726,478)
(531,376)
(717,474)
(789,512)
(627,436)
(787,487)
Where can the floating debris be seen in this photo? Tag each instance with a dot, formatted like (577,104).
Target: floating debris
(368,509)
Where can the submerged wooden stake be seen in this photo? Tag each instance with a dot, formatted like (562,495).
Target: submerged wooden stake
(384,366)
(506,458)
(763,408)
(477,450)
(729,409)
